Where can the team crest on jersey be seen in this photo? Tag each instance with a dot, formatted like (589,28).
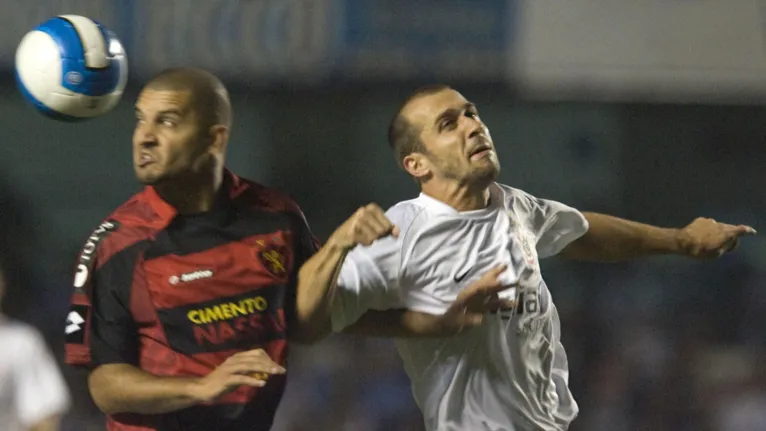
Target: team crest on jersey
(526,247)
(272,256)
(512,220)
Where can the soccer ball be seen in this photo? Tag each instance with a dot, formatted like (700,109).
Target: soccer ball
(71,68)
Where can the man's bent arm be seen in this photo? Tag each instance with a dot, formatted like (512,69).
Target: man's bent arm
(121,388)
(317,281)
(316,291)
(399,324)
(465,312)
(318,277)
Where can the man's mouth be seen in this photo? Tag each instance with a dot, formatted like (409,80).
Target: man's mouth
(480,151)
(145,160)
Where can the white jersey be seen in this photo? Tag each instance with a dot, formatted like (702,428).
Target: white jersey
(31,386)
(510,373)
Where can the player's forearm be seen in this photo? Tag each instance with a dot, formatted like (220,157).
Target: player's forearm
(612,239)
(123,388)
(399,324)
(316,289)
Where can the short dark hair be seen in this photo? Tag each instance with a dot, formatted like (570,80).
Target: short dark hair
(210,99)
(403,136)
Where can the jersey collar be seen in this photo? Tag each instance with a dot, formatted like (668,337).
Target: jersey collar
(231,187)
(497,199)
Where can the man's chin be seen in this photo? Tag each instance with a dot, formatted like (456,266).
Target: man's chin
(485,177)
(488,173)
(148,179)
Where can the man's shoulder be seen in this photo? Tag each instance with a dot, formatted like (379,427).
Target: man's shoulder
(513,192)
(401,215)
(405,212)
(520,200)
(262,197)
(132,222)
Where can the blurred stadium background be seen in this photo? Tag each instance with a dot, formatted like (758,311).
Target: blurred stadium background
(651,110)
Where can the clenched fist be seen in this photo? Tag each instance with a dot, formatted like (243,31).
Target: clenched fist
(704,238)
(366,225)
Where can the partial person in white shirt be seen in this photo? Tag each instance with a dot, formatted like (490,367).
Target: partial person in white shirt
(33,394)
(509,370)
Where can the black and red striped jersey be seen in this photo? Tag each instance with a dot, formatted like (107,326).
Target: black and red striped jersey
(175,295)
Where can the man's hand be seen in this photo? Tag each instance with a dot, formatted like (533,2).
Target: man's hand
(467,311)
(251,368)
(366,225)
(473,302)
(705,238)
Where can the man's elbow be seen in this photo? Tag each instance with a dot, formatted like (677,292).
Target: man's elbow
(311,322)
(100,383)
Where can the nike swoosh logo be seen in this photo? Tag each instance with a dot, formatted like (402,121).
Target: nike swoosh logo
(460,277)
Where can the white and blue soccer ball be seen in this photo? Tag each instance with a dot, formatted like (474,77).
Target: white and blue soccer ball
(71,68)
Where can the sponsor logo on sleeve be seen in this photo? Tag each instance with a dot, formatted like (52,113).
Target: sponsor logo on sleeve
(87,259)
(75,324)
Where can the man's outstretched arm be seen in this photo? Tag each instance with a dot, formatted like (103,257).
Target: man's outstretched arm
(612,239)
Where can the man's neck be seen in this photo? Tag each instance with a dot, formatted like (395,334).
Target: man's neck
(190,197)
(460,197)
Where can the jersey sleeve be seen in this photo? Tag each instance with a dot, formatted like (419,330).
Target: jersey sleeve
(99,327)
(369,277)
(304,244)
(39,388)
(554,225)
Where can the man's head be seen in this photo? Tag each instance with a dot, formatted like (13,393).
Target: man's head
(183,118)
(437,136)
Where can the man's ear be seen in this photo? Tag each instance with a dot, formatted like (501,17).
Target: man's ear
(219,136)
(417,165)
